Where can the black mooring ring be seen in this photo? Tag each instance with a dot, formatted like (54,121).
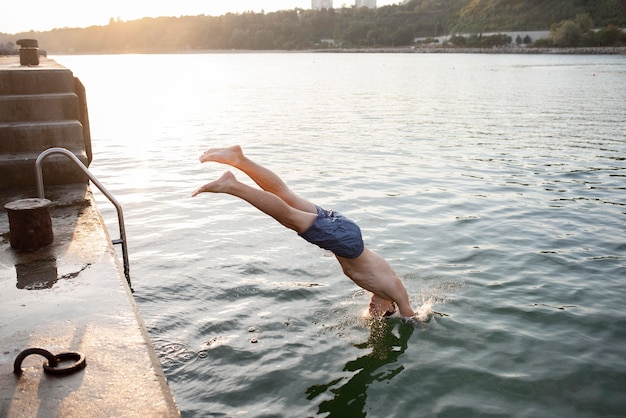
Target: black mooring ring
(79,364)
(17,365)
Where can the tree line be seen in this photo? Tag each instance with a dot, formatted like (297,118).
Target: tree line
(575,33)
(351,27)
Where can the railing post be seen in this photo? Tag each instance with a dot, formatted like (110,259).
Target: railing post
(94,180)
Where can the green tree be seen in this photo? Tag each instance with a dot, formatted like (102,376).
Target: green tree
(608,36)
(376,37)
(356,33)
(584,21)
(566,33)
(403,36)
(264,39)
(458,40)
(238,39)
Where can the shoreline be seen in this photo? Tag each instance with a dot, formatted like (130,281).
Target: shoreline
(505,50)
(616,50)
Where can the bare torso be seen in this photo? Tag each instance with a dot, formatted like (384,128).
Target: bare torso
(372,272)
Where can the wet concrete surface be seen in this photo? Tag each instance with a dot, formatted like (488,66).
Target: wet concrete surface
(72,296)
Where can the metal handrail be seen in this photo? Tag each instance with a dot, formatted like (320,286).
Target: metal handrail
(94,180)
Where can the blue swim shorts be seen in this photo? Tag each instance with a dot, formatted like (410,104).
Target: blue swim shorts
(333,231)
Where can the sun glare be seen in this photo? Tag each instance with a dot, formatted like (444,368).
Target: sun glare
(44,15)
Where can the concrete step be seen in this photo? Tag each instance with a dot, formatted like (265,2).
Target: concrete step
(36,81)
(18,169)
(16,137)
(39,107)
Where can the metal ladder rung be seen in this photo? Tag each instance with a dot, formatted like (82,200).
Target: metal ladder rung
(94,180)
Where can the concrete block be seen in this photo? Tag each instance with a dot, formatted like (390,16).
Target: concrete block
(39,107)
(36,81)
(16,137)
(18,170)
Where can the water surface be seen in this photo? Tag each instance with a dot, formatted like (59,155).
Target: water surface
(494,184)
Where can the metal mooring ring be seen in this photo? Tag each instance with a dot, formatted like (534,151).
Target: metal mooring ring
(50,367)
(17,366)
(79,364)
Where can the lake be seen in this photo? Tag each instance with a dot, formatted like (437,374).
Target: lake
(495,185)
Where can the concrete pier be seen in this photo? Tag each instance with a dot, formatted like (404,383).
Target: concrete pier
(41,107)
(70,295)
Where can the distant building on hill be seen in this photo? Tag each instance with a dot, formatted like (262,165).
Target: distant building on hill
(321,4)
(366,3)
(328,4)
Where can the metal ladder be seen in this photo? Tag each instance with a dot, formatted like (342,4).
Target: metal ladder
(94,180)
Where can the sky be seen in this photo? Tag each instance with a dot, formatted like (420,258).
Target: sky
(44,15)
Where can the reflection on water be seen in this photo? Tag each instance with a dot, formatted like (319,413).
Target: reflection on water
(350,394)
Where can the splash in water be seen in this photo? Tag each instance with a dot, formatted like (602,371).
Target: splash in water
(424,312)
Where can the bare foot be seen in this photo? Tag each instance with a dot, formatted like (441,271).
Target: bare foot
(221,185)
(228,155)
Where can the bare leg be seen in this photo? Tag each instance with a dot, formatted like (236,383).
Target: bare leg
(265,178)
(267,202)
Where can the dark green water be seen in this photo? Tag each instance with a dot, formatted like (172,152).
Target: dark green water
(495,186)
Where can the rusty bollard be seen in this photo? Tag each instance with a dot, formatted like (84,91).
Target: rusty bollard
(30,225)
(29,51)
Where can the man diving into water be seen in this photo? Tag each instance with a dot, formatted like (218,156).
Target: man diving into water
(326,229)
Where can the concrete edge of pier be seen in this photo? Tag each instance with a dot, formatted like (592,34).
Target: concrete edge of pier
(72,296)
